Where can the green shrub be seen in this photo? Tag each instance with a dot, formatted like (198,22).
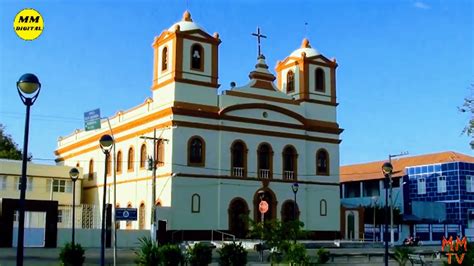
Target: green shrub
(148,254)
(72,255)
(296,254)
(200,255)
(232,254)
(401,255)
(323,255)
(170,255)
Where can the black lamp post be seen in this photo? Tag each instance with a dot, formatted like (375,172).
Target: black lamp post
(387,169)
(106,143)
(74,174)
(27,85)
(295,187)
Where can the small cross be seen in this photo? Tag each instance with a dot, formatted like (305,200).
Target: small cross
(258,35)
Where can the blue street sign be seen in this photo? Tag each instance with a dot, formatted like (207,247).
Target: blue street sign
(92,120)
(125,214)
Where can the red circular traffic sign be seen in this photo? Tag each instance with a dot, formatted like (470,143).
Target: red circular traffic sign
(263,206)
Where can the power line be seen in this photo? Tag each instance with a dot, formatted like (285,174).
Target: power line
(209,168)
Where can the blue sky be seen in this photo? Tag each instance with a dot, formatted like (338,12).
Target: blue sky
(404,66)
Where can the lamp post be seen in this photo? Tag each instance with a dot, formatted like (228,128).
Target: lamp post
(106,142)
(295,187)
(390,156)
(387,169)
(27,85)
(73,174)
(261,195)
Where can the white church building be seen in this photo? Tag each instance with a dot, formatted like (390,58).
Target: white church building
(216,152)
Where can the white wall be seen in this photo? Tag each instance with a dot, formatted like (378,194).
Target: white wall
(90,238)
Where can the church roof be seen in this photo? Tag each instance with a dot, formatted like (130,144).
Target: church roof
(186,23)
(306,48)
(373,170)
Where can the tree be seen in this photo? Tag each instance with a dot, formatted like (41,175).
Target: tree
(468,107)
(8,147)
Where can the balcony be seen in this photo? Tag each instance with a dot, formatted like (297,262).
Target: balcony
(288,175)
(264,173)
(238,171)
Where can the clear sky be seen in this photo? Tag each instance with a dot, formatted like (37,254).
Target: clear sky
(404,66)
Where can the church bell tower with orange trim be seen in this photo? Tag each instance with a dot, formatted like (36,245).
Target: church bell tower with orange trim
(308,76)
(185,58)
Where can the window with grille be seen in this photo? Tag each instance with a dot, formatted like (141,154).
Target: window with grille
(470,183)
(421,186)
(441,184)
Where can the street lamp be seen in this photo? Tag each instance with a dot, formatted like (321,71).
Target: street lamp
(73,174)
(106,143)
(295,187)
(387,169)
(27,85)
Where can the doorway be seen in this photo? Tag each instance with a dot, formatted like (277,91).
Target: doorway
(35,229)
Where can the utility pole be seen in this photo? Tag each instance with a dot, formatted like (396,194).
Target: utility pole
(390,156)
(152,162)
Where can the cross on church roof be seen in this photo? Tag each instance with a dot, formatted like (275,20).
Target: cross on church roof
(259,35)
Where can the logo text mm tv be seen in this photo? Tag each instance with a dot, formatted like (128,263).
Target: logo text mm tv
(454,248)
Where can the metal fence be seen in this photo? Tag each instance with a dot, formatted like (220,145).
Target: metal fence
(88,216)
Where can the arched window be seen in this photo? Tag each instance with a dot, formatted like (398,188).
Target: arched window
(128,224)
(164,59)
(320,80)
(322,162)
(195,203)
(109,164)
(130,159)
(91,169)
(197,57)
(143,156)
(196,151)
(160,153)
(119,162)
(264,157)
(77,164)
(290,81)
(289,163)
(323,208)
(141,218)
(238,159)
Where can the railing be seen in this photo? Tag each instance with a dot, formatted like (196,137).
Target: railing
(238,171)
(222,234)
(289,175)
(264,173)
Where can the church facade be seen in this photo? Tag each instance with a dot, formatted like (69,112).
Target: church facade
(218,155)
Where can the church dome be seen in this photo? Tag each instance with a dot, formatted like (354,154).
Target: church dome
(186,23)
(306,48)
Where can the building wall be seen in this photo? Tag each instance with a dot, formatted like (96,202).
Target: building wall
(458,200)
(39,186)
(217,193)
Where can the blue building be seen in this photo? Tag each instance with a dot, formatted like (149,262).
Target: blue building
(434,193)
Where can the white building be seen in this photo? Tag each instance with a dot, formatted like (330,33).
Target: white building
(49,193)
(217,151)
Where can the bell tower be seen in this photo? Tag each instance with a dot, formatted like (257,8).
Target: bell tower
(185,61)
(308,76)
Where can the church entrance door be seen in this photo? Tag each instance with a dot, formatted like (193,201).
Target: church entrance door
(238,209)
